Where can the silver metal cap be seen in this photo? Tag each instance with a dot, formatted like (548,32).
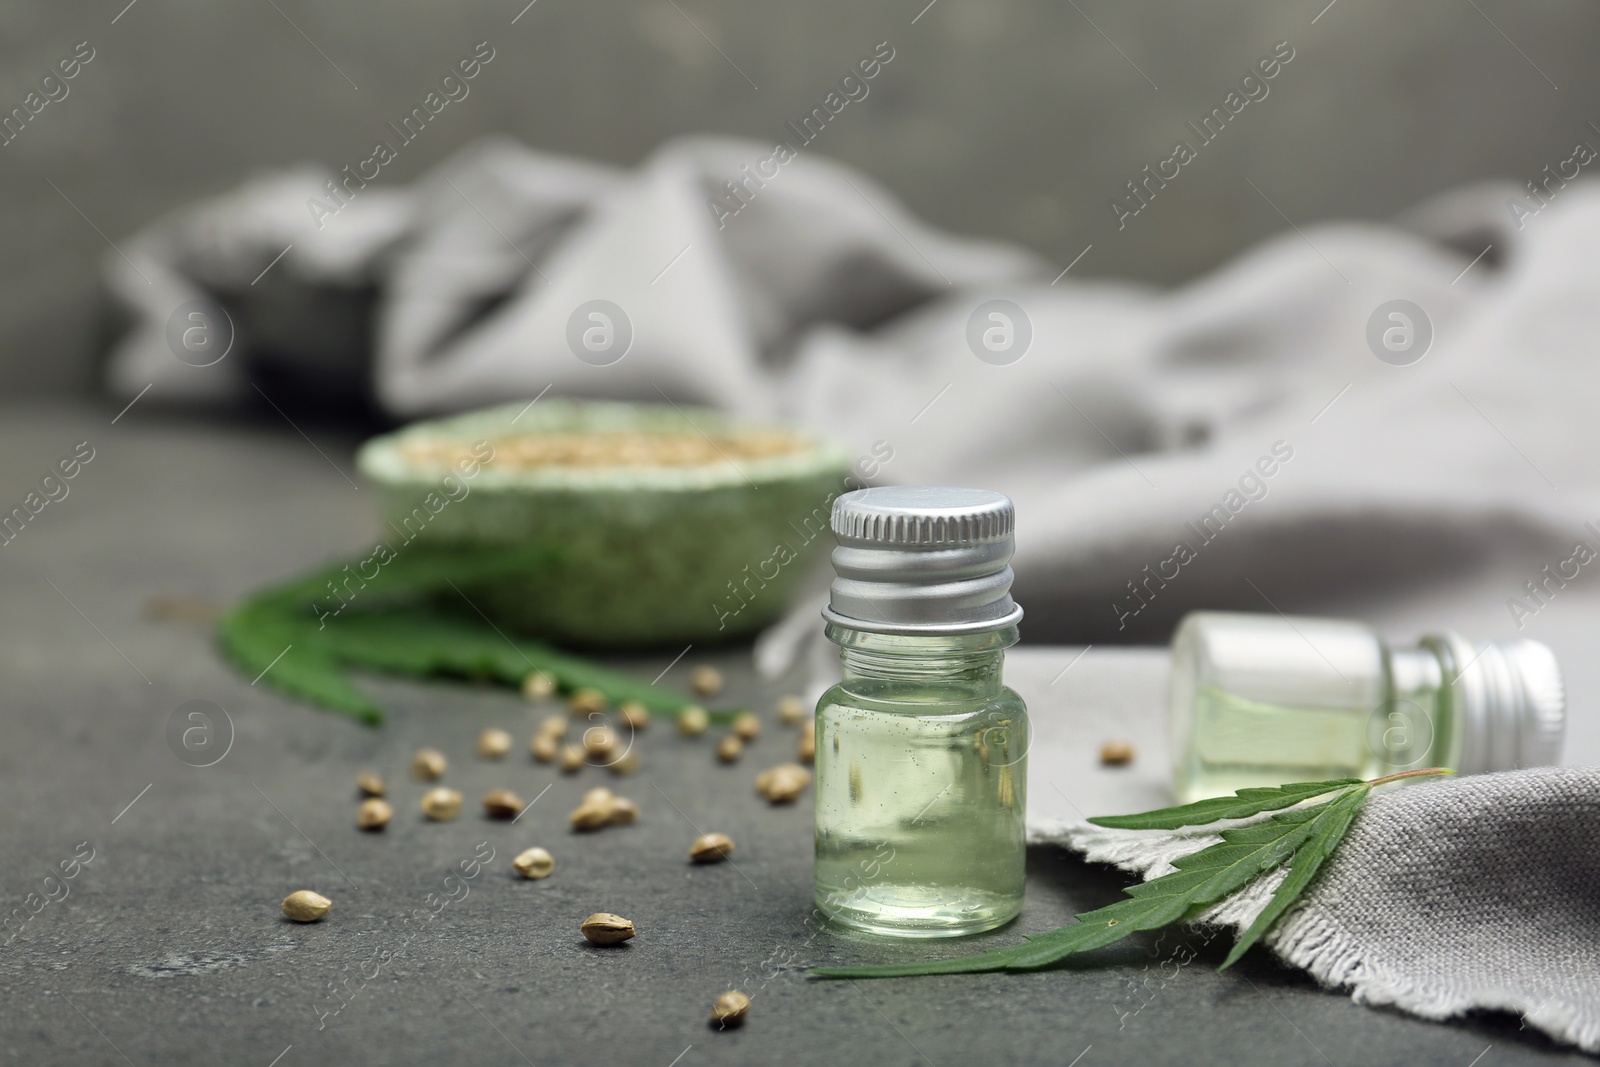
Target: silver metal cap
(1511,703)
(923,559)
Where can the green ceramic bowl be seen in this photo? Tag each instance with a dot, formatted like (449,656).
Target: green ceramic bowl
(673,524)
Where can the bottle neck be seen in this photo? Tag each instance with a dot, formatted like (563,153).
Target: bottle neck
(969,664)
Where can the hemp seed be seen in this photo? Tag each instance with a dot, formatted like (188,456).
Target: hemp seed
(604,928)
(502,804)
(791,709)
(571,759)
(600,741)
(494,743)
(807,749)
(374,814)
(711,848)
(730,748)
(730,1009)
(692,721)
(747,725)
(441,804)
(588,817)
(634,715)
(304,906)
(534,863)
(627,763)
(784,783)
(555,725)
(428,764)
(370,784)
(706,681)
(538,686)
(587,701)
(622,812)
(544,747)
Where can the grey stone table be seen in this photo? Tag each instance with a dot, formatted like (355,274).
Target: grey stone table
(167,946)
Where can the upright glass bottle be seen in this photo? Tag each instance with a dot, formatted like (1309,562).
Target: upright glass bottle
(1262,700)
(921,751)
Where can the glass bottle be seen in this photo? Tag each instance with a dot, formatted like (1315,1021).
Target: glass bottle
(1263,700)
(921,751)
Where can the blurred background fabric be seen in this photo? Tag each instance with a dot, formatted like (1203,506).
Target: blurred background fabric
(1015,120)
(1140,432)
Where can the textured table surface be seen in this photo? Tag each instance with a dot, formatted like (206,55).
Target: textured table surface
(169,948)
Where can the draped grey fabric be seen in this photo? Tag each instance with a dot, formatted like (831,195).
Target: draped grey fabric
(1162,447)
(1446,896)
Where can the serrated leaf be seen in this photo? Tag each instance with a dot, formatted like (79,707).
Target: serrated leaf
(1327,830)
(1244,803)
(1202,878)
(394,626)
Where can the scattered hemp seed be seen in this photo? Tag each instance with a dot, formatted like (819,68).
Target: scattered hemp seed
(370,784)
(494,743)
(502,804)
(730,1009)
(747,724)
(622,811)
(706,681)
(374,814)
(692,721)
(428,764)
(604,928)
(730,748)
(544,747)
(784,783)
(634,715)
(600,741)
(555,725)
(538,686)
(599,795)
(807,749)
(626,763)
(304,906)
(711,848)
(534,863)
(587,817)
(571,759)
(1117,753)
(587,701)
(791,709)
(441,804)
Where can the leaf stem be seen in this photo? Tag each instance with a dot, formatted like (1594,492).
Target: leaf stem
(1425,772)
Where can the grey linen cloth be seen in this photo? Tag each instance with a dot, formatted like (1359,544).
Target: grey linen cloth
(1444,897)
(1133,431)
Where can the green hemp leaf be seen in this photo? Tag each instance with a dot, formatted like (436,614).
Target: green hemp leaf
(1311,819)
(412,619)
